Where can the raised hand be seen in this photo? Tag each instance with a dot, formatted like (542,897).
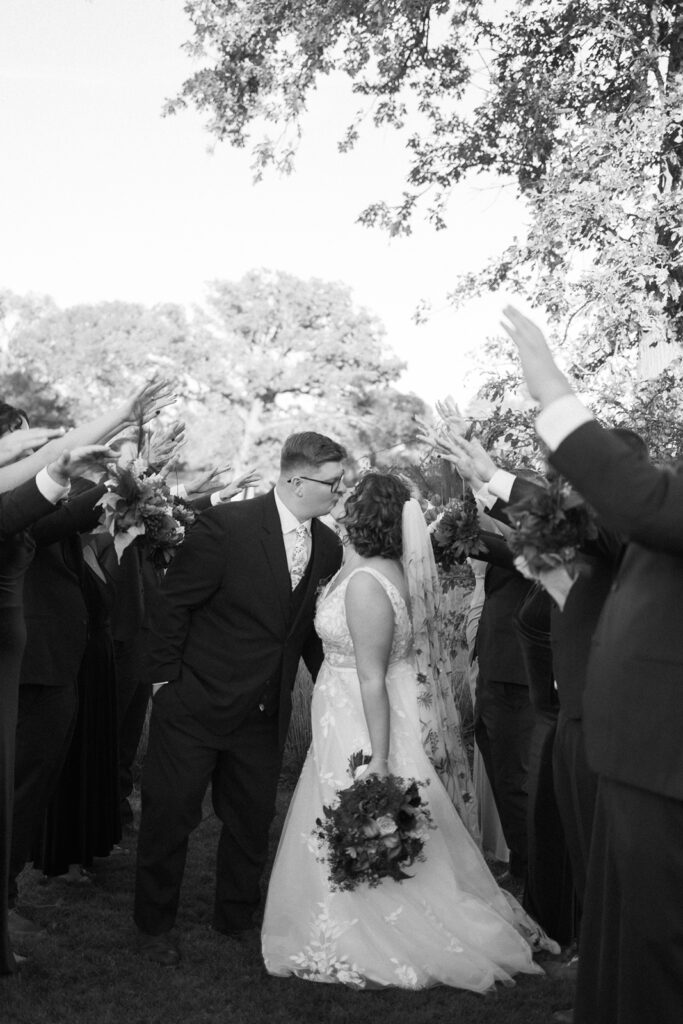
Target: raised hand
(82,460)
(146,401)
(248,479)
(17,443)
(448,411)
(165,444)
(207,481)
(428,434)
(544,379)
(451,420)
(470,458)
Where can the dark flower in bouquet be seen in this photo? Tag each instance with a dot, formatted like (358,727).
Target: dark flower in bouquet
(375,829)
(550,526)
(456,533)
(139,503)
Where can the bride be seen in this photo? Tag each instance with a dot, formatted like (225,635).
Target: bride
(449,923)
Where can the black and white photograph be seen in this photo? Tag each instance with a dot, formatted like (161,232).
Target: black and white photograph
(341,512)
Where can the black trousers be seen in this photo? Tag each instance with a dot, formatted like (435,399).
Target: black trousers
(631,950)
(11,650)
(45,727)
(133,696)
(182,759)
(549,890)
(575,789)
(503,723)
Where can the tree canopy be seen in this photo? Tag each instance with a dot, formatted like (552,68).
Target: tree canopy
(262,357)
(575,103)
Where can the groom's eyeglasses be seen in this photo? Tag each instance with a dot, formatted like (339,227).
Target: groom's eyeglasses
(334,485)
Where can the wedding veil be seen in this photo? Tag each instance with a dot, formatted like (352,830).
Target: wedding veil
(439,716)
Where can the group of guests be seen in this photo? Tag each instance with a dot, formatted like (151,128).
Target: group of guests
(587,709)
(577,705)
(73,622)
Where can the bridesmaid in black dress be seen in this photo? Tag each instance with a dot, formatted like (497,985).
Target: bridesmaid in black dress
(18,509)
(83,820)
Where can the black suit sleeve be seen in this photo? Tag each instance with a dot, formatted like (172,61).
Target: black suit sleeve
(20,507)
(78,515)
(194,575)
(497,551)
(520,489)
(636,499)
(202,502)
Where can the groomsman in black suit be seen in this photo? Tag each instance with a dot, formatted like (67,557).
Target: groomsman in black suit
(503,716)
(572,624)
(234,616)
(631,954)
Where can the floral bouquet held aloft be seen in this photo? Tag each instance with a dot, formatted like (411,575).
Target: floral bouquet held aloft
(456,535)
(550,526)
(138,503)
(376,829)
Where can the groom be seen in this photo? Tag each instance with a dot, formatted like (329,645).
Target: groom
(234,616)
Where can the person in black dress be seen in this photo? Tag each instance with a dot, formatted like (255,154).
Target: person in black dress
(19,508)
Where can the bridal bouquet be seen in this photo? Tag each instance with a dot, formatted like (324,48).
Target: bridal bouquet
(375,829)
(456,533)
(139,503)
(550,525)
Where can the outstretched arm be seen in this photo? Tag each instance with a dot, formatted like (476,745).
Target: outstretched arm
(635,498)
(141,405)
(21,442)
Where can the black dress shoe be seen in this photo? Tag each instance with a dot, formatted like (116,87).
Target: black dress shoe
(159,949)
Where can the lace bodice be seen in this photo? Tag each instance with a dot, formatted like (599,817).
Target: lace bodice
(332,627)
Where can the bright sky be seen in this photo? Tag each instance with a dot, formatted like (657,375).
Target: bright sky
(101,198)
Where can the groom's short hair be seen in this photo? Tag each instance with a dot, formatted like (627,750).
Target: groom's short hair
(309,449)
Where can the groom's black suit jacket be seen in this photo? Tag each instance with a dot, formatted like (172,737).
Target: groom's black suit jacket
(226,629)
(633,704)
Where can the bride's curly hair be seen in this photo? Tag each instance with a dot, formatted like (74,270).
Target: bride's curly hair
(373,515)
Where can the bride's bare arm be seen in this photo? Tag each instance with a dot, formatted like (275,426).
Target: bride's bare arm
(142,404)
(370,618)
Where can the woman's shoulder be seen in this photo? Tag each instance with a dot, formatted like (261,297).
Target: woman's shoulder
(387,568)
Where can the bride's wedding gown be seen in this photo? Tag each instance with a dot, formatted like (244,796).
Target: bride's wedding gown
(448,924)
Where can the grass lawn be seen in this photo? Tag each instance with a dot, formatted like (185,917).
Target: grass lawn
(86,969)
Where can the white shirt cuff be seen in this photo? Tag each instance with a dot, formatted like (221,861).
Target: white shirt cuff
(560,419)
(501,484)
(484,499)
(49,488)
(179,490)
(216,498)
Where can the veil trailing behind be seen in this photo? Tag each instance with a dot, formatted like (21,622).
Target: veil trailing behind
(439,715)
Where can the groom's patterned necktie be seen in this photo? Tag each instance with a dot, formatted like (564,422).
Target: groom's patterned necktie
(299,556)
